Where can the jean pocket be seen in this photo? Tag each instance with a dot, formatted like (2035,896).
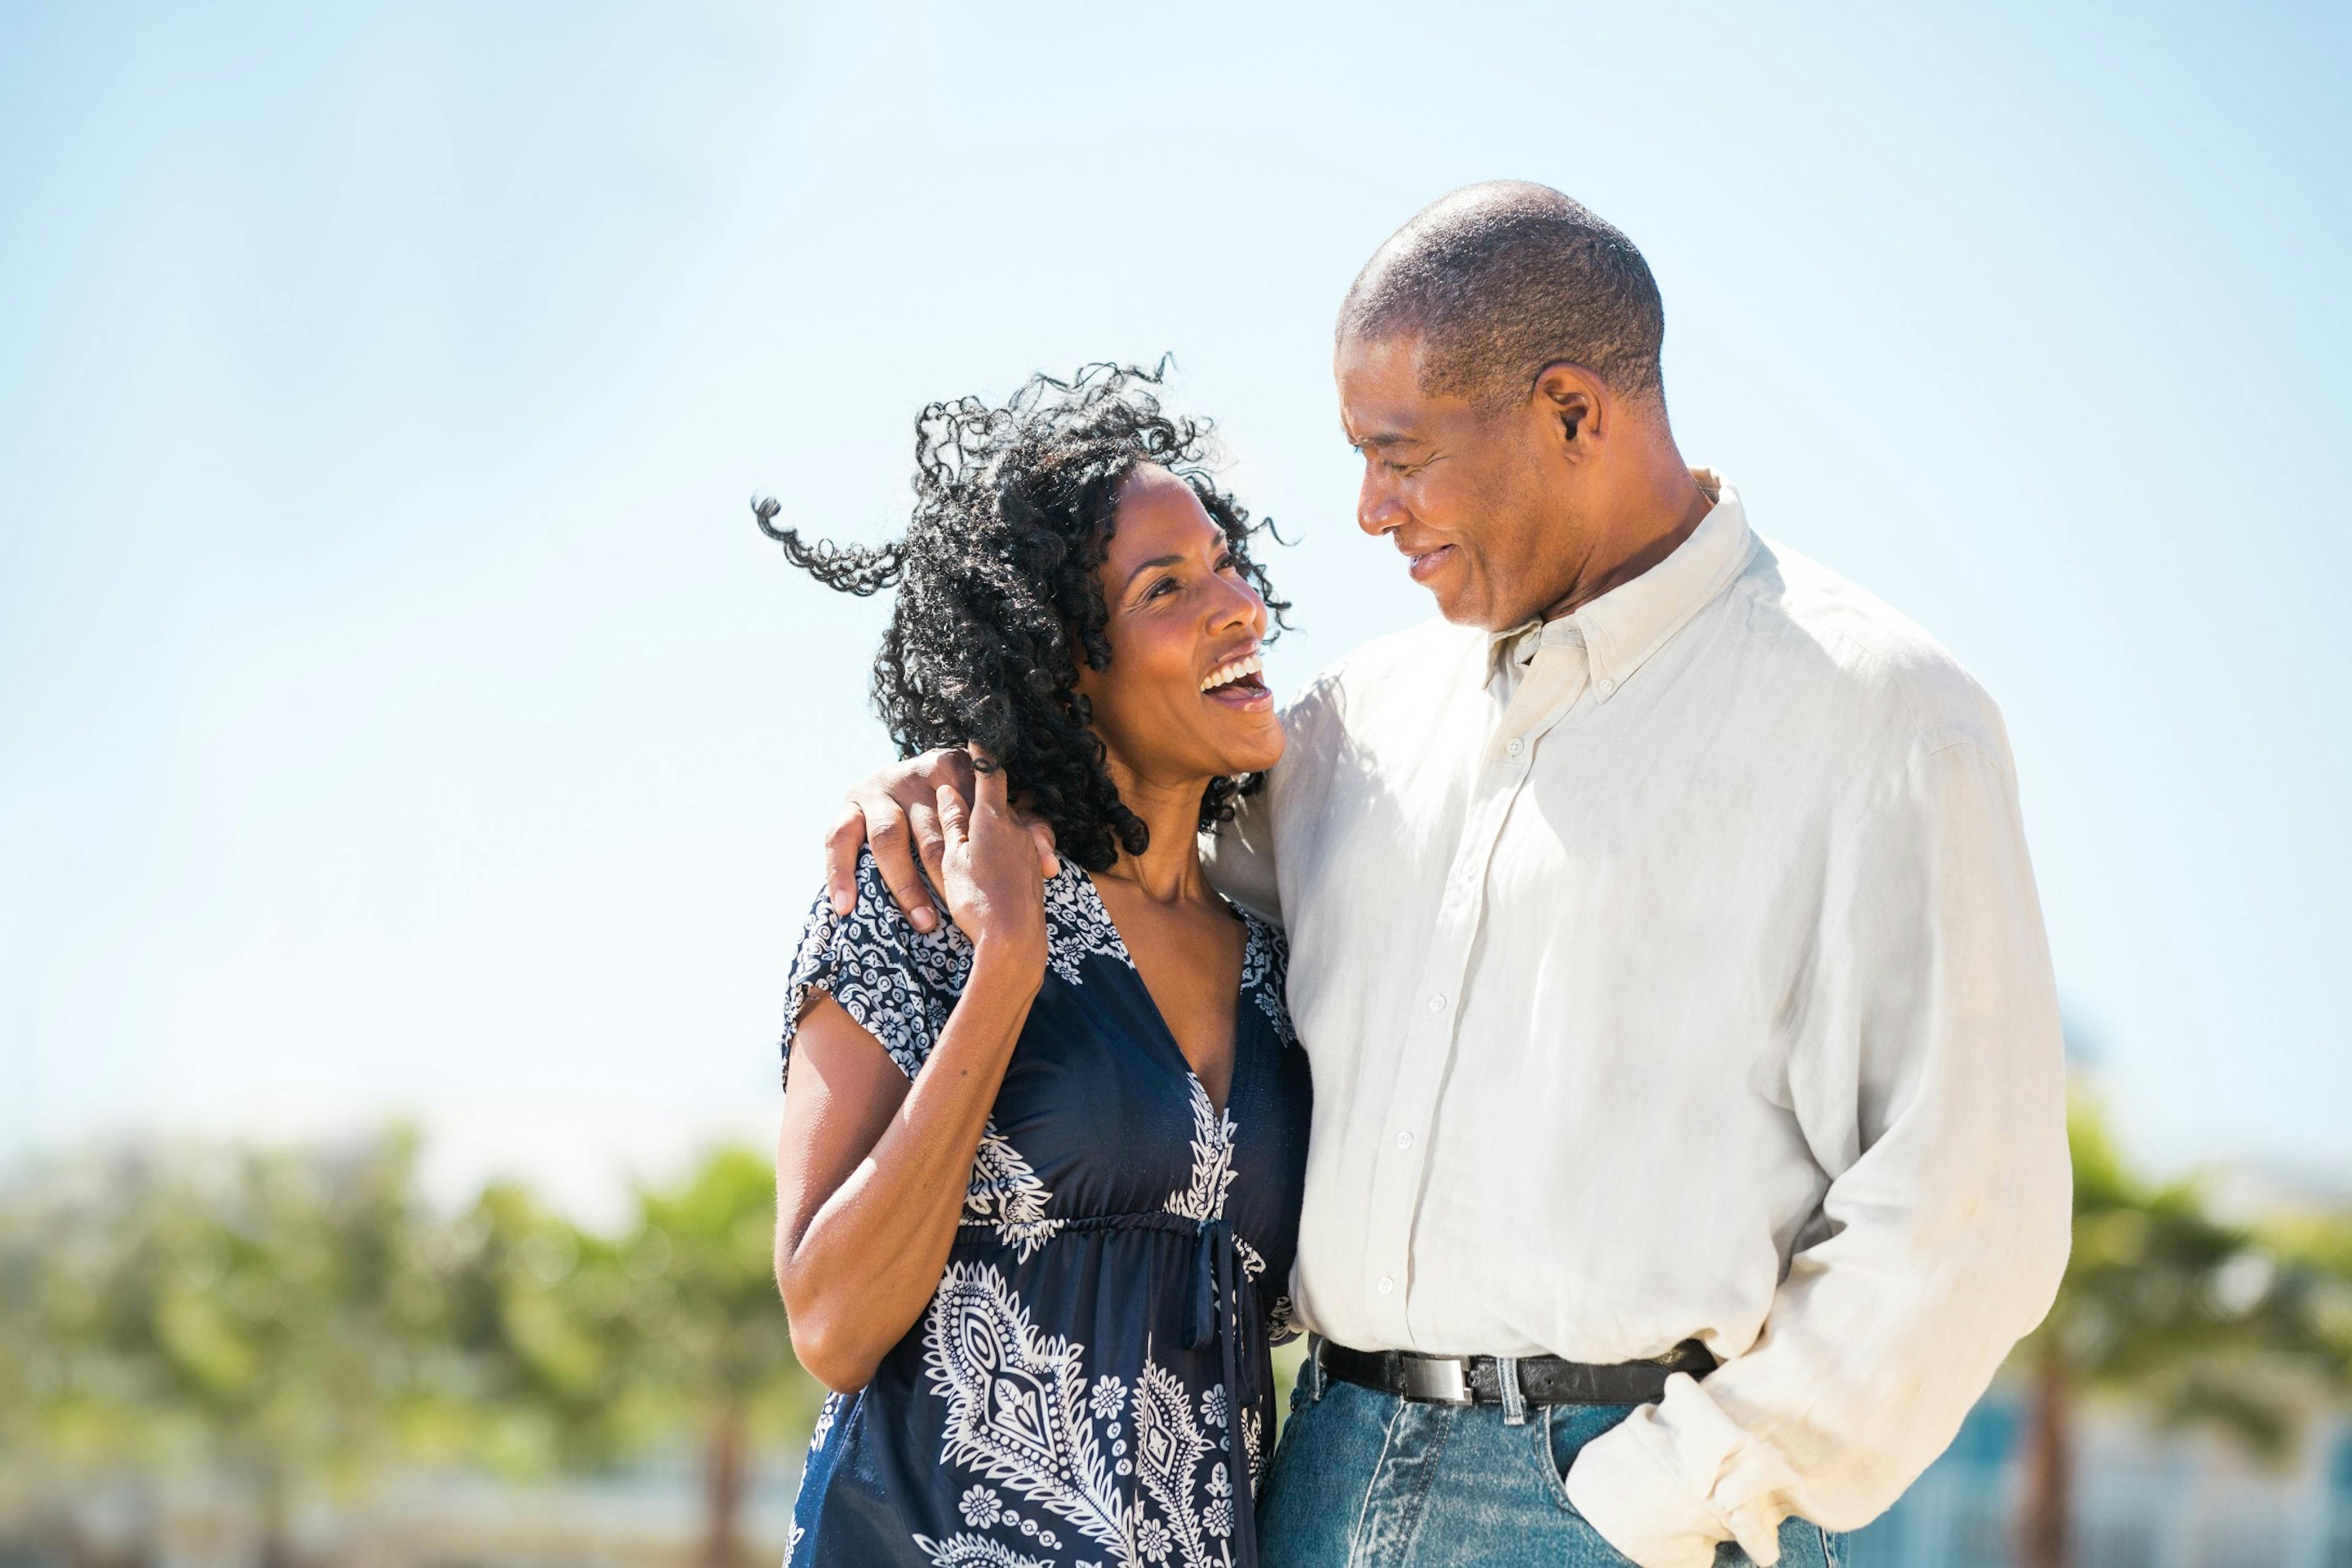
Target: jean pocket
(1555,1450)
(1560,1433)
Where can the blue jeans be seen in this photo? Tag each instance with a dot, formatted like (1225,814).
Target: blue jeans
(1362,1479)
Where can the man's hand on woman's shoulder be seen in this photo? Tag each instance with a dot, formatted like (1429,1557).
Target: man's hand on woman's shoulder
(896,813)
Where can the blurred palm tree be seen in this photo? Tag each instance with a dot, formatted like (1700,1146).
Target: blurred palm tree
(2201,1321)
(542,1323)
(723,1352)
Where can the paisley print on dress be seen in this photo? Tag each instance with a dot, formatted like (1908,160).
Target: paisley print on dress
(1022,1414)
(1266,972)
(900,983)
(1006,1195)
(1076,925)
(962,1551)
(1212,1161)
(1055,1405)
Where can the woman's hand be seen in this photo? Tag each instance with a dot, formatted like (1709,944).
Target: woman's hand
(991,874)
(897,815)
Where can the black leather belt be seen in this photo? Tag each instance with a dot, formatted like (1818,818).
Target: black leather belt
(1543,1379)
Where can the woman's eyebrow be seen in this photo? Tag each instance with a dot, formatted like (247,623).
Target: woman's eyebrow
(1143,566)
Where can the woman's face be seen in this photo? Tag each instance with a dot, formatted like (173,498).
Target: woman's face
(1182,700)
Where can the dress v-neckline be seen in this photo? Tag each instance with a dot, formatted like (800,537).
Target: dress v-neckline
(1250,938)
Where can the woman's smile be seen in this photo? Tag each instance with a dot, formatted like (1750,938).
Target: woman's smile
(1239,682)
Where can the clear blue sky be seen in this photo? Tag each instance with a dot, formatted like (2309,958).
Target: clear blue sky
(402,715)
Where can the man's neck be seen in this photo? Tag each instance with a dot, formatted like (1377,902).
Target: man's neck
(1663,507)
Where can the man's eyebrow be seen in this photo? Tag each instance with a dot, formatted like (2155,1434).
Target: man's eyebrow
(1382,443)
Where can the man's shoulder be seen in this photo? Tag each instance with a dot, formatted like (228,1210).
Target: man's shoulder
(1822,626)
(1398,664)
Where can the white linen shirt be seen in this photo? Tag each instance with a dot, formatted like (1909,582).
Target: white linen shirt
(1674,970)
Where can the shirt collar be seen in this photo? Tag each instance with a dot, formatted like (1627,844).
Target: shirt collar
(1624,626)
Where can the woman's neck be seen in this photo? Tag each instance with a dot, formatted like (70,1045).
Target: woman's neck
(1168,870)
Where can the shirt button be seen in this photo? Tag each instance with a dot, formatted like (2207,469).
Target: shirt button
(1606,687)
(1388,1286)
(1404,1140)
(1437,1003)
(1517,746)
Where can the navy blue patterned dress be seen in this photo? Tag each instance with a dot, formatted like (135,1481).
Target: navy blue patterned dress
(1090,1384)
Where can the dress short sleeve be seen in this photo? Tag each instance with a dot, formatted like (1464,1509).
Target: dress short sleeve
(900,983)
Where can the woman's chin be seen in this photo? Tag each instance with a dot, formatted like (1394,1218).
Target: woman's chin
(1257,754)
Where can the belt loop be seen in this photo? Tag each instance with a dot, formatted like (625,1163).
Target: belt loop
(1515,1400)
(1311,1369)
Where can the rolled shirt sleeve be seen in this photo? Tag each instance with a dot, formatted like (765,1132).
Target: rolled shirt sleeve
(1927,1075)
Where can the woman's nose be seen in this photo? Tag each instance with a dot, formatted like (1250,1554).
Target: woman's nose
(1243,606)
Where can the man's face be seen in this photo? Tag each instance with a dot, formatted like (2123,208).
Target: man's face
(1480,503)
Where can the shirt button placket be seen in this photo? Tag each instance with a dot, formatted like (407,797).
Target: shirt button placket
(1429,1046)
(1401,1170)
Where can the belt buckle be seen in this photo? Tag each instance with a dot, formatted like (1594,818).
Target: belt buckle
(1436,1379)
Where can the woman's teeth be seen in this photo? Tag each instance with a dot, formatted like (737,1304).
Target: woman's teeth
(1226,674)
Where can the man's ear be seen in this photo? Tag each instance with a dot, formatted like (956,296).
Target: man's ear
(1572,400)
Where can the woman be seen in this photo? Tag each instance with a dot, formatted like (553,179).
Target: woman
(1039,1175)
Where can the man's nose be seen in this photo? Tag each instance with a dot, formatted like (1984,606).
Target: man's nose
(1377,511)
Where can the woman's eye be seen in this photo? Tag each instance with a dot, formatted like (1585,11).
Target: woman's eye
(1165,585)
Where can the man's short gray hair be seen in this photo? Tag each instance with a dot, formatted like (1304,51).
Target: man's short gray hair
(1501,279)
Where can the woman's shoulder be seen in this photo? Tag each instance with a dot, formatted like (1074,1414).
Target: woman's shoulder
(1078,925)
(1265,971)
(878,930)
(878,909)
(897,982)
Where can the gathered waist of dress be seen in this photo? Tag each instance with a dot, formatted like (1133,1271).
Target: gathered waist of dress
(1177,1225)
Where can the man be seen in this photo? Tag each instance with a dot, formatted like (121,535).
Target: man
(1689,1142)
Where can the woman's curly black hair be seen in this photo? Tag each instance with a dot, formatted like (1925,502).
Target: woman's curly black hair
(997,595)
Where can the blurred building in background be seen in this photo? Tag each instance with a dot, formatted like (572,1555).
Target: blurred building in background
(2146,1501)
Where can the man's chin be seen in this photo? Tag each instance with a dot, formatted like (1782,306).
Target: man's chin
(1458,604)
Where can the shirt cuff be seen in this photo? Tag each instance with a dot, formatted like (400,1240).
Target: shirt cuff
(1671,1479)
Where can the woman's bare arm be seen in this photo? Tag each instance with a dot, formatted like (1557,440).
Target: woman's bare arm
(871,1169)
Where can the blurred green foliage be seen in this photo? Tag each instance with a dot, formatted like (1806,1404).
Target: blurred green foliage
(2195,1320)
(2200,1319)
(295,1322)
(292,1322)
